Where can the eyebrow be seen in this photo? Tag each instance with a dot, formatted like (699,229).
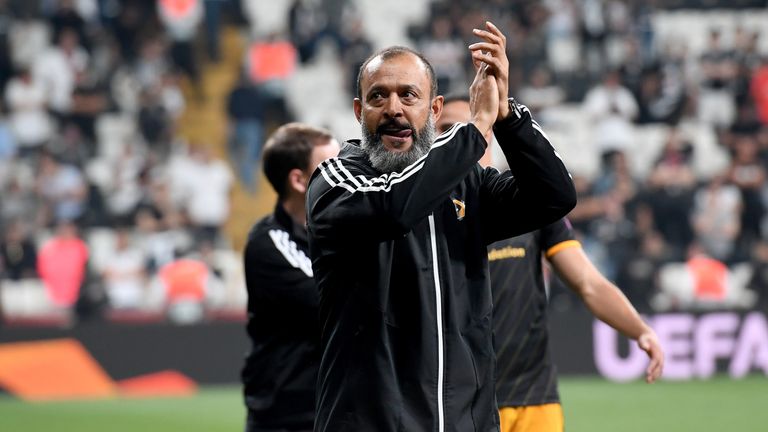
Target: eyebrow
(400,88)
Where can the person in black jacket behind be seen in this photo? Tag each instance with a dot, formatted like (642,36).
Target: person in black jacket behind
(280,372)
(398,227)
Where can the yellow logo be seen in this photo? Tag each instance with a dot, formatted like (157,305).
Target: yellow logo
(506,252)
(460,208)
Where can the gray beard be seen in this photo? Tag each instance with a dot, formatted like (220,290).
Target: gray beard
(387,161)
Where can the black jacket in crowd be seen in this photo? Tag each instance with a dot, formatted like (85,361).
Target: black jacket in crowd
(401,263)
(280,372)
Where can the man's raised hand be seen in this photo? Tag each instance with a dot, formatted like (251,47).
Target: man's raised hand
(492,51)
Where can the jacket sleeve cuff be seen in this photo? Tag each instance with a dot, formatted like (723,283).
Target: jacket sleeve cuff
(512,120)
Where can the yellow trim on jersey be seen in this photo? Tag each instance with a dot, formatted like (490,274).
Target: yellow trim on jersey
(537,418)
(560,246)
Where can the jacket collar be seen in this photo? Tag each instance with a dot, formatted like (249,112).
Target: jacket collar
(286,222)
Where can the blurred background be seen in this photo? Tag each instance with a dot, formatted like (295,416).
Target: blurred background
(130,140)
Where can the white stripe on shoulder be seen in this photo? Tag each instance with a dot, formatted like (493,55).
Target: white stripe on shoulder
(448,134)
(335,168)
(348,174)
(324,171)
(290,251)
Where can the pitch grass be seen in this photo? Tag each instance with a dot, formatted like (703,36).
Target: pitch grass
(591,405)
(716,405)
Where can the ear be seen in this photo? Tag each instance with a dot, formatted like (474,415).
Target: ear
(357,106)
(297,181)
(437,107)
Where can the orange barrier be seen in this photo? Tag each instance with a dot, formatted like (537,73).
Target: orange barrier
(165,383)
(51,370)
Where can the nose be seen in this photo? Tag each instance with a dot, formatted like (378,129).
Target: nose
(393,107)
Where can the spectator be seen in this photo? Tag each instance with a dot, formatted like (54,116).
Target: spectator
(186,285)
(269,64)
(18,200)
(207,204)
(18,255)
(59,69)
(759,90)
(759,264)
(718,71)
(612,108)
(213,28)
(27,100)
(61,265)
(66,16)
(639,272)
(181,19)
(151,64)
(125,274)
(155,122)
(716,218)
(8,149)
(749,175)
(669,193)
(157,243)
(594,30)
(246,115)
(446,54)
(62,189)
(562,38)
(355,49)
(123,191)
(307,23)
(661,96)
(541,94)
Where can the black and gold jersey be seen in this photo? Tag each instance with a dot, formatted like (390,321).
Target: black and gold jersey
(525,374)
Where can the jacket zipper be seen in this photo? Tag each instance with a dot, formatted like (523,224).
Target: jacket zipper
(439,318)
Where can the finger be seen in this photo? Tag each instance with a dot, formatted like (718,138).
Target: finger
(480,67)
(656,367)
(495,30)
(486,46)
(488,36)
(494,64)
(651,373)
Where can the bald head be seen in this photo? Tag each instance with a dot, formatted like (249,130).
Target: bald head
(381,56)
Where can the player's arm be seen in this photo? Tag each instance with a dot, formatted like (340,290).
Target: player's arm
(606,302)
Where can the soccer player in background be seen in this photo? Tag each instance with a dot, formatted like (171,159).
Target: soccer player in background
(526,381)
(398,227)
(280,372)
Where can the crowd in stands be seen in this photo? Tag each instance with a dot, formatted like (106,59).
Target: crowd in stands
(103,207)
(106,207)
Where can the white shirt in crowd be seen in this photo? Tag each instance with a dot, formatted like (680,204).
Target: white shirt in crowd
(29,120)
(59,72)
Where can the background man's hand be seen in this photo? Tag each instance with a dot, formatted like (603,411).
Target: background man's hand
(649,343)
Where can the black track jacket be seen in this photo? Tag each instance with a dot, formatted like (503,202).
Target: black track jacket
(280,371)
(401,263)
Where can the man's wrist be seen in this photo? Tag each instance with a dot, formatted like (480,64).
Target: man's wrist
(509,111)
(504,110)
(514,114)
